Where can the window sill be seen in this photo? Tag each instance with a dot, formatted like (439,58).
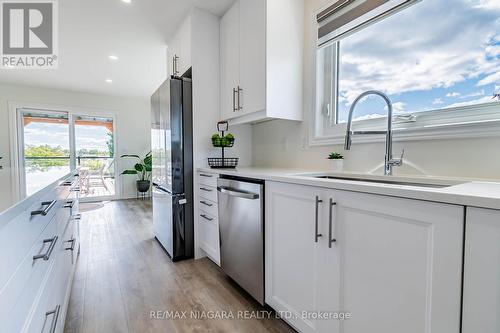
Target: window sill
(479,129)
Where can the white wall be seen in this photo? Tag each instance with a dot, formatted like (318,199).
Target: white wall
(283,144)
(132,126)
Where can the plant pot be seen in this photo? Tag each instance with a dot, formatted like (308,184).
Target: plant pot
(337,165)
(143,186)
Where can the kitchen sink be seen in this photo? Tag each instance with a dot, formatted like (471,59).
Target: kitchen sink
(387,181)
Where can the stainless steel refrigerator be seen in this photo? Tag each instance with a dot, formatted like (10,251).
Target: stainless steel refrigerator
(172,151)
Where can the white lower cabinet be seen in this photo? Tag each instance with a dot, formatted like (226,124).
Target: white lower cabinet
(481,312)
(35,296)
(394,265)
(208,215)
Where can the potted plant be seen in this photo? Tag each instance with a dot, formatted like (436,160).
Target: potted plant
(225,141)
(142,169)
(336,161)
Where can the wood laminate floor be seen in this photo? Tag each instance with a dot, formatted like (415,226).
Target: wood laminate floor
(123,275)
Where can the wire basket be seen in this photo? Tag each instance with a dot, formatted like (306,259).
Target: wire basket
(219,163)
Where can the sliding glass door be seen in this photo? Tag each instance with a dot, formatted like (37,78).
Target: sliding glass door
(45,150)
(94,147)
(51,144)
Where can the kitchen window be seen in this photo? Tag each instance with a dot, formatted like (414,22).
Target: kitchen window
(438,61)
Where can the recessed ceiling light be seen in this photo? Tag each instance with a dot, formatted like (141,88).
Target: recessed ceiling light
(127,1)
(113,57)
(109,81)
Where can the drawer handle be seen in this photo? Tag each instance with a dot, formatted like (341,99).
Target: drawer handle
(205,189)
(48,206)
(69,204)
(75,189)
(206,203)
(331,238)
(206,175)
(66,183)
(316,234)
(72,247)
(206,217)
(76,217)
(54,312)
(46,255)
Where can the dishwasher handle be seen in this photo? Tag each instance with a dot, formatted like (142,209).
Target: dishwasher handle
(237,193)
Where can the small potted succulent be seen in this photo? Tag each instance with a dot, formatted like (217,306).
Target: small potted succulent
(336,161)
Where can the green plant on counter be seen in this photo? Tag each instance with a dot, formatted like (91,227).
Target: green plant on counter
(335,156)
(225,141)
(142,169)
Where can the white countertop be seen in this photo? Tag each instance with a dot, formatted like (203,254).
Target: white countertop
(464,192)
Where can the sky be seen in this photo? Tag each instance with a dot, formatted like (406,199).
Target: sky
(88,137)
(435,54)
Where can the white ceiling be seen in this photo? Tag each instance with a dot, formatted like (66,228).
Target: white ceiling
(91,30)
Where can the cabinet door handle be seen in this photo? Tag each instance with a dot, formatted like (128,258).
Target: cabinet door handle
(206,175)
(54,312)
(46,255)
(331,238)
(206,203)
(72,247)
(48,206)
(176,63)
(316,234)
(69,204)
(206,217)
(234,99)
(239,98)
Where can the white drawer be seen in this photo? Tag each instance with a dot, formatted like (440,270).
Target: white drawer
(208,206)
(19,235)
(19,293)
(209,235)
(52,305)
(206,178)
(208,192)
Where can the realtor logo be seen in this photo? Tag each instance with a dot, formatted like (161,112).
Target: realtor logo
(29,33)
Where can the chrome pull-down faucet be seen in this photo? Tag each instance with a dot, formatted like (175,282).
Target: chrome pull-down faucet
(389,162)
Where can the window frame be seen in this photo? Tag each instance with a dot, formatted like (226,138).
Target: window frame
(473,121)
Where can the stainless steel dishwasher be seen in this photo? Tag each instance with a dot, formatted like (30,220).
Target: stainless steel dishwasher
(241,225)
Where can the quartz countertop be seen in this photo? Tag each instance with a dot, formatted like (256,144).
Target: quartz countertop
(457,191)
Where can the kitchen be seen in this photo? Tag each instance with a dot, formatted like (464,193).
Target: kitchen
(342,179)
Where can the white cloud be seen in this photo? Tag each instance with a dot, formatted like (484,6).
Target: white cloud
(437,101)
(398,106)
(493,78)
(420,55)
(453,94)
(486,4)
(485,99)
(474,94)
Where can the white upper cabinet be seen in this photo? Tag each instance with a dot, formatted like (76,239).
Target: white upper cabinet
(252,87)
(262,61)
(179,50)
(394,264)
(229,53)
(481,272)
